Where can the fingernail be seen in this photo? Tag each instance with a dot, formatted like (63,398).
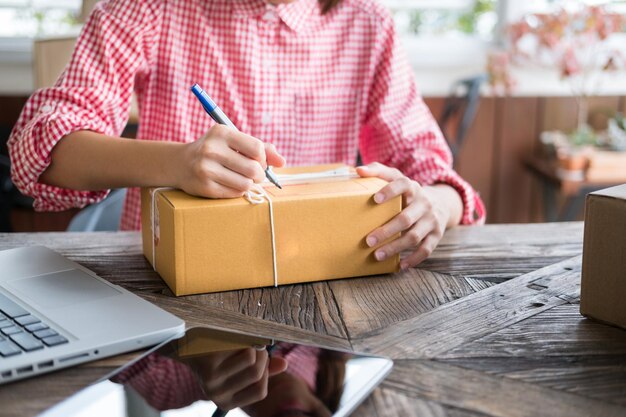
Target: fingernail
(404,265)
(380,255)
(371,241)
(379,198)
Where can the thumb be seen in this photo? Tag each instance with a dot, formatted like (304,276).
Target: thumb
(277,365)
(379,170)
(273,157)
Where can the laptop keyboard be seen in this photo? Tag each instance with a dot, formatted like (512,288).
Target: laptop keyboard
(21,331)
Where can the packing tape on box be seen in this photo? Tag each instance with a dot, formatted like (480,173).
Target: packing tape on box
(154,221)
(338,174)
(256,195)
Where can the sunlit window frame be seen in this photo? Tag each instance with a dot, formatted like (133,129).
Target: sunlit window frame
(42,4)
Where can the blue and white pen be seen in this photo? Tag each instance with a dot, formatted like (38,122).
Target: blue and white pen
(220,117)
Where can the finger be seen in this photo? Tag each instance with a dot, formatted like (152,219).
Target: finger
(234,364)
(210,370)
(253,393)
(213,361)
(214,189)
(411,239)
(242,165)
(401,186)
(423,251)
(277,365)
(228,178)
(250,375)
(379,170)
(272,156)
(247,145)
(401,222)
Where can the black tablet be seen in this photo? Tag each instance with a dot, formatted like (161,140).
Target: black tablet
(210,372)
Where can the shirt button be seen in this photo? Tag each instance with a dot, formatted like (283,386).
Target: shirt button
(46,108)
(270,16)
(266,119)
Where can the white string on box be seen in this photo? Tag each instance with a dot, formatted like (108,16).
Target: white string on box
(257,195)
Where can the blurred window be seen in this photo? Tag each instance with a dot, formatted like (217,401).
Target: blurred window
(445,17)
(31,18)
(517,9)
(549,5)
(475,18)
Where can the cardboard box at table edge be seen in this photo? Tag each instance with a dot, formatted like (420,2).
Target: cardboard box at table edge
(206,245)
(603,284)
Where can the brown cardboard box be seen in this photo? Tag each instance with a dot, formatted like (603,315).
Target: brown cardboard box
(50,56)
(603,288)
(204,245)
(199,342)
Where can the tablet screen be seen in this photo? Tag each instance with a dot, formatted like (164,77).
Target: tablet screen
(210,372)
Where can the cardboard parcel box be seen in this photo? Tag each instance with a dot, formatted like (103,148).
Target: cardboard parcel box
(201,245)
(603,288)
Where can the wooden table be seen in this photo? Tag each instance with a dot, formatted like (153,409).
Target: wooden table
(488,326)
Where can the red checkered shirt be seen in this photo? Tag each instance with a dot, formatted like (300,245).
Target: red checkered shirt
(319,87)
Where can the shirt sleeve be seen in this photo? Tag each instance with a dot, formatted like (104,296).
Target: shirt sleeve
(400,131)
(93,93)
(164,383)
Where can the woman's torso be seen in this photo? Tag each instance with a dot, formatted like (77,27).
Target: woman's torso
(286,75)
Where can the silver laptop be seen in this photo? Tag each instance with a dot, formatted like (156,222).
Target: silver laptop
(55,313)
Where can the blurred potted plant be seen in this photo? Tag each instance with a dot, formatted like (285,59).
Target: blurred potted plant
(578,43)
(616,133)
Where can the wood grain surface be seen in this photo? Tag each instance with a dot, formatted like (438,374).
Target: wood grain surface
(488,326)
(461,321)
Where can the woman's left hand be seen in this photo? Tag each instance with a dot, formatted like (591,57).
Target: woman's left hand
(426,214)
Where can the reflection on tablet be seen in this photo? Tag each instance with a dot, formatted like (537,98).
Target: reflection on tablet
(208,372)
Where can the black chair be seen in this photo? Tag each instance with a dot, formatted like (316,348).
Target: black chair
(5,194)
(10,197)
(462,105)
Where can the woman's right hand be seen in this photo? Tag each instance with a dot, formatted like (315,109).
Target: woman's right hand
(225,163)
(237,378)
